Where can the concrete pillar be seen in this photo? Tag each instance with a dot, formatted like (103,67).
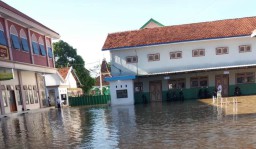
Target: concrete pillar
(7,33)
(39,90)
(1,101)
(46,48)
(23,95)
(30,46)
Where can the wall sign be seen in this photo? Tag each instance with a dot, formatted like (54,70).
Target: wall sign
(121,94)
(6,74)
(4,54)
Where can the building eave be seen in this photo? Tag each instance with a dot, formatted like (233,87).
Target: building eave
(27,67)
(200,70)
(175,42)
(5,13)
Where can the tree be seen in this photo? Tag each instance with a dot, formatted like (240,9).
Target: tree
(66,56)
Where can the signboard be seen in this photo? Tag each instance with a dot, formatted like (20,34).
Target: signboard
(167,78)
(121,94)
(4,54)
(226,72)
(6,74)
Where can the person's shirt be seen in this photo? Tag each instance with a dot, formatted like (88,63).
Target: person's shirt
(58,100)
(219,88)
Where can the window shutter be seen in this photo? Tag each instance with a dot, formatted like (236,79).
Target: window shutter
(150,57)
(157,57)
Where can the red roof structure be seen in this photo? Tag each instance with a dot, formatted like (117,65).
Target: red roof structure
(180,33)
(64,72)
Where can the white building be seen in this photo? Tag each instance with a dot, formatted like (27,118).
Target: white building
(25,56)
(62,84)
(156,64)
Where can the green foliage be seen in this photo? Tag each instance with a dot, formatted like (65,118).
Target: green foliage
(66,56)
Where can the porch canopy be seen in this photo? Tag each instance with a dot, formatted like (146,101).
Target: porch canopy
(116,78)
(201,70)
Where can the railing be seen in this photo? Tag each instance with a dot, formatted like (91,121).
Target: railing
(89,100)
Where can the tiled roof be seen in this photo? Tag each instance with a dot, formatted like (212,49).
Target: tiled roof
(8,7)
(178,33)
(104,83)
(63,72)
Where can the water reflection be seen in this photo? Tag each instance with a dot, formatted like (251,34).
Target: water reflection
(190,124)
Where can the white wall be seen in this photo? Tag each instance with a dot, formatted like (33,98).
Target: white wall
(12,82)
(29,78)
(71,82)
(118,57)
(120,85)
(52,79)
(55,80)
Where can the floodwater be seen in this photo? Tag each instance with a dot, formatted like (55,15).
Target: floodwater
(191,124)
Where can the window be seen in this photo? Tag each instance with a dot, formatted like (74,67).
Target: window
(199,82)
(50,55)
(244,48)
(177,83)
(2,38)
(138,87)
(121,93)
(131,59)
(175,55)
(198,52)
(35,48)
(24,44)
(221,50)
(154,57)
(248,77)
(42,50)
(15,41)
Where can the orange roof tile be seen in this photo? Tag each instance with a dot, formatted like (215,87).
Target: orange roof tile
(63,72)
(178,33)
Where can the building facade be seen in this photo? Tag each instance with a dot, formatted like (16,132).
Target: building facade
(63,84)
(26,55)
(183,61)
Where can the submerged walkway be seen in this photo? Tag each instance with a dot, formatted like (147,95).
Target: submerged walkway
(235,105)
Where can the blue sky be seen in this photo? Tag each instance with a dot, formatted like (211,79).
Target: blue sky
(84,24)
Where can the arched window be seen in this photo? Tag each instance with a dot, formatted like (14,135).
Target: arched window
(48,45)
(35,45)
(14,37)
(2,36)
(41,45)
(24,40)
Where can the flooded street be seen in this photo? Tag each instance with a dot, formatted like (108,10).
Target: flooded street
(192,124)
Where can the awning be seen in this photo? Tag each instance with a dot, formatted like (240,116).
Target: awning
(200,69)
(115,78)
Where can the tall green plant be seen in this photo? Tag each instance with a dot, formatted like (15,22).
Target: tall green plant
(66,56)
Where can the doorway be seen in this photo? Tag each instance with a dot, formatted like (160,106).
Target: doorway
(224,80)
(13,105)
(155,90)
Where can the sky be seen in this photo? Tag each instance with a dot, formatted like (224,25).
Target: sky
(85,24)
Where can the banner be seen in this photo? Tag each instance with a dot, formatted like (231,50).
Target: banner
(6,74)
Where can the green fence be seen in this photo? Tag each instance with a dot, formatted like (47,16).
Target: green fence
(89,100)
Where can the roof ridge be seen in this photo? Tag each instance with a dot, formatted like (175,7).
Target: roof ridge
(180,25)
(225,28)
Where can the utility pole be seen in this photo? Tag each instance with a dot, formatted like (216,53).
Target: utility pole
(100,80)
